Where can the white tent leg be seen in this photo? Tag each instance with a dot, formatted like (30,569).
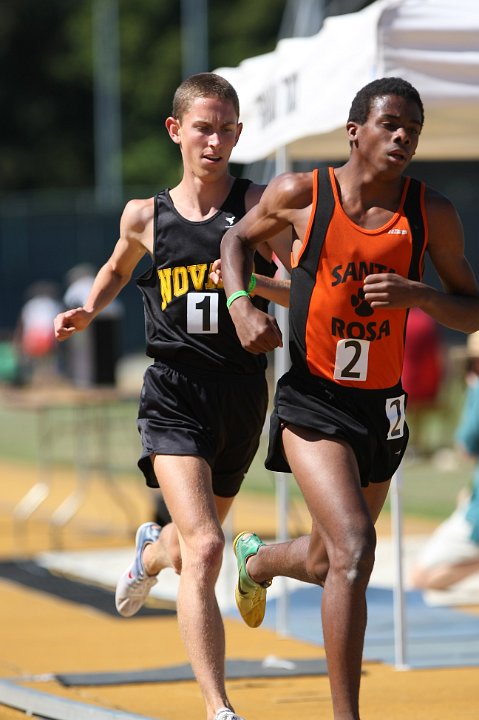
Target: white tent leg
(282,605)
(398,598)
(281,365)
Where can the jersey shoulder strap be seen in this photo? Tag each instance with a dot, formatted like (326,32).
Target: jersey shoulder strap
(323,207)
(303,275)
(235,202)
(414,210)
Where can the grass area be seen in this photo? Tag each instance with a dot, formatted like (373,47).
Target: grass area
(65,434)
(430,489)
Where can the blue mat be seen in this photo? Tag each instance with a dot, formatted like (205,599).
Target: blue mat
(435,636)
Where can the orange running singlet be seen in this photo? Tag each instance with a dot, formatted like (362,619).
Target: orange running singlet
(334,332)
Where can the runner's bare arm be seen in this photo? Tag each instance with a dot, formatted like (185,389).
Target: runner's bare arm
(457,305)
(136,238)
(275,289)
(270,219)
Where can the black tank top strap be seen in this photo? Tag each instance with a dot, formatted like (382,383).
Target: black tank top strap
(235,202)
(414,211)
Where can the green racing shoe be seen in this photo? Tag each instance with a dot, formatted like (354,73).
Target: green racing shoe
(250,595)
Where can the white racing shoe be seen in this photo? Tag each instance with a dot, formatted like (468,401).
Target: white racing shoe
(134,585)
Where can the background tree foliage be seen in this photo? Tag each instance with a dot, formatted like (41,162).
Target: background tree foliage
(49,219)
(46,92)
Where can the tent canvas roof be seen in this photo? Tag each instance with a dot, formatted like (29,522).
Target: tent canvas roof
(299,95)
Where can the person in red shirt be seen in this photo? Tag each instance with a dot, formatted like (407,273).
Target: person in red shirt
(423,373)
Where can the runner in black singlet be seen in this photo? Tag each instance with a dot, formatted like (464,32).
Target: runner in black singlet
(204,397)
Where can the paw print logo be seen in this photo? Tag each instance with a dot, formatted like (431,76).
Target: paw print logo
(360,305)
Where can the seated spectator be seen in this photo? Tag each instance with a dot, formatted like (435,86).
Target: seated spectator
(452,552)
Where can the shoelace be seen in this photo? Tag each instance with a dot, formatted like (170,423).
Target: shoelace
(143,580)
(140,581)
(227,715)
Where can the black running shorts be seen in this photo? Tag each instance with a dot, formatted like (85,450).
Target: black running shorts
(211,415)
(372,422)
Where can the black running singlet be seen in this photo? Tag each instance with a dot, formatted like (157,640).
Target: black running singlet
(186,319)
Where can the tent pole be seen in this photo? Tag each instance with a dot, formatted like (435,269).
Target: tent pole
(281,365)
(399,597)
(281,484)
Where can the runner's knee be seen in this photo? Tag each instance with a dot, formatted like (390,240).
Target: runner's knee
(351,557)
(206,552)
(355,558)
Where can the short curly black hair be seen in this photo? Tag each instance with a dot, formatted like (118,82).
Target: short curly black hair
(361,104)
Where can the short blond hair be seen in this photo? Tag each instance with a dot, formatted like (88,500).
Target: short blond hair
(202,85)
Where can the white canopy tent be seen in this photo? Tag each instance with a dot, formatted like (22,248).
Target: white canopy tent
(298,96)
(295,103)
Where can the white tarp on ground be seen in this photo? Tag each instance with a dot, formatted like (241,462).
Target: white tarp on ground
(299,95)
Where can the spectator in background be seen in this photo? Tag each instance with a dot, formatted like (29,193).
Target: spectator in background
(452,551)
(9,359)
(34,334)
(423,373)
(91,357)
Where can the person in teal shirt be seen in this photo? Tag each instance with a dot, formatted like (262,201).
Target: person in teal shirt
(452,552)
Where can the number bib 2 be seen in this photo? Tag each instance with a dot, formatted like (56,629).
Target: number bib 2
(352,364)
(351,360)
(396,414)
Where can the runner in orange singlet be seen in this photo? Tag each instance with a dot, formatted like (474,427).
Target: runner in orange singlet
(361,232)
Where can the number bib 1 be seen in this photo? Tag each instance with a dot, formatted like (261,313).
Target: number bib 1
(202,313)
